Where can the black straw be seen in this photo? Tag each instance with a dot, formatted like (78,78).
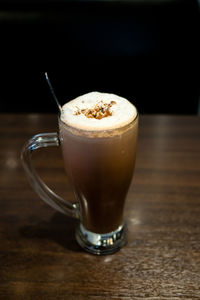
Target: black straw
(52,91)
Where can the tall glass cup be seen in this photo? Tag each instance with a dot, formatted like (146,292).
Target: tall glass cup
(100,166)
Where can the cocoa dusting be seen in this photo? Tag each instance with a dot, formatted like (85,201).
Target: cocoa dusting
(101,110)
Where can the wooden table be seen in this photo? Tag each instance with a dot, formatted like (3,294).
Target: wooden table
(39,257)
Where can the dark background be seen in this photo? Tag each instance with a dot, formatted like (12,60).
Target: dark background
(146,51)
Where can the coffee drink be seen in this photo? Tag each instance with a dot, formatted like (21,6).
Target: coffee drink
(98,134)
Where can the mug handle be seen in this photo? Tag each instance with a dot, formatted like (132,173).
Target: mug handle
(43,140)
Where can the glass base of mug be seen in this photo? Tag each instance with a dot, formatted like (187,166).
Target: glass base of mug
(104,243)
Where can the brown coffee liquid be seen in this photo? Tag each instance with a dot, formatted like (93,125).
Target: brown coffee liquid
(100,171)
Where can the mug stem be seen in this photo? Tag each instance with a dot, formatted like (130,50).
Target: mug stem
(101,243)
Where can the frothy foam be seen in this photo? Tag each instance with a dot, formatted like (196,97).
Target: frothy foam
(98,111)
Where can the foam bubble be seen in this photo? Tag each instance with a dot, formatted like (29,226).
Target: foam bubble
(122,112)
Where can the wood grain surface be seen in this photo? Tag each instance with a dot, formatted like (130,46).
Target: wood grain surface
(39,257)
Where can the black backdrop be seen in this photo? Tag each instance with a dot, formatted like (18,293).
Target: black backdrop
(145,51)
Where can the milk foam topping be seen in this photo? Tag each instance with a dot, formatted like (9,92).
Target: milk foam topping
(98,111)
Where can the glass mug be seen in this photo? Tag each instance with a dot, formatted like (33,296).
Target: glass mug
(100,166)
